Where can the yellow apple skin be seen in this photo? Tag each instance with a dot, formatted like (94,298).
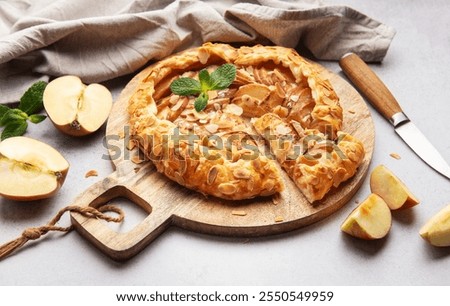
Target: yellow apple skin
(437,230)
(30,170)
(370,220)
(389,187)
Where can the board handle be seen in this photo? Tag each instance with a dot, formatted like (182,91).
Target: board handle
(120,246)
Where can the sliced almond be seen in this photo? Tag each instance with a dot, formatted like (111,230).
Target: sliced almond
(178,105)
(278,75)
(243,77)
(91,173)
(227,188)
(281,129)
(174,99)
(212,174)
(279,219)
(242,173)
(294,98)
(233,109)
(269,185)
(212,128)
(179,178)
(238,213)
(256,91)
(225,124)
(281,111)
(212,94)
(276,199)
(262,76)
(298,128)
(395,155)
(203,56)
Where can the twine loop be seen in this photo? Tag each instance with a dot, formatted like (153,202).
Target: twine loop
(34,233)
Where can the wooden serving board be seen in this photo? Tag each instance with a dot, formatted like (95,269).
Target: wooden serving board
(171,204)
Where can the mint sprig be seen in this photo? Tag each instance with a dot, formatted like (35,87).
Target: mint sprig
(15,119)
(14,128)
(32,100)
(219,79)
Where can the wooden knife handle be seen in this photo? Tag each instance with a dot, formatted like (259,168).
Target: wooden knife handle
(370,85)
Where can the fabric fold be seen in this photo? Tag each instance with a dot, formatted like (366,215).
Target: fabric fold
(102,40)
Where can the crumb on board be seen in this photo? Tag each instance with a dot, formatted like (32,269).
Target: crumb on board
(91,173)
(279,219)
(395,155)
(238,213)
(351,111)
(121,134)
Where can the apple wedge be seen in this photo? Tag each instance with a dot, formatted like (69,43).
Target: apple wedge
(30,169)
(437,230)
(370,220)
(74,108)
(389,187)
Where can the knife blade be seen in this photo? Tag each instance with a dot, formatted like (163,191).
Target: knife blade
(376,92)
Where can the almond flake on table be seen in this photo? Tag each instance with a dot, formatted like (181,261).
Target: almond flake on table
(395,155)
(91,173)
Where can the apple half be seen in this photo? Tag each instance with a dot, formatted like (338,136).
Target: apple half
(75,108)
(437,230)
(30,169)
(372,219)
(393,191)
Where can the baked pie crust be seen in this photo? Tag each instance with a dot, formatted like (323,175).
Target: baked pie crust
(277,100)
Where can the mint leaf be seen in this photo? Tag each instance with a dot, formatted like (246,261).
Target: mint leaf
(185,87)
(32,100)
(201,102)
(205,80)
(15,120)
(3,110)
(223,76)
(14,128)
(37,118)
(13,115)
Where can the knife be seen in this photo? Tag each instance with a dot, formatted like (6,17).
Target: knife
(382,99)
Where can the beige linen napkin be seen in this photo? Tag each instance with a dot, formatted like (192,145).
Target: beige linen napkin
(102,40)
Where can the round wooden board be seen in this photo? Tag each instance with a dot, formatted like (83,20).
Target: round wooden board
(171,204)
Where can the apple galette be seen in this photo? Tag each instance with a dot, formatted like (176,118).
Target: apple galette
(277,115)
